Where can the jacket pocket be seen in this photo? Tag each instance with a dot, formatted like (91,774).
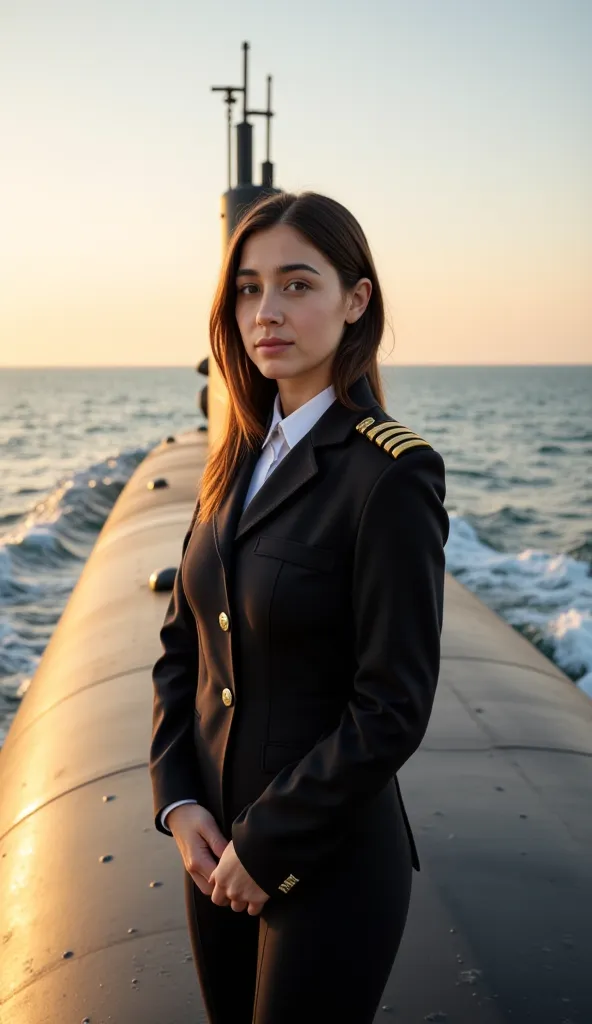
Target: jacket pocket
(307,555)
(276,755)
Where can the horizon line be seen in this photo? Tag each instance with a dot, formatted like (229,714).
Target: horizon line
(191,366)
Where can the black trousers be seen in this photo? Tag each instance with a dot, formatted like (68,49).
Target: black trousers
(324,950)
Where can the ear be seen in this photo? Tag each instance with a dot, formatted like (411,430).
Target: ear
(359,299)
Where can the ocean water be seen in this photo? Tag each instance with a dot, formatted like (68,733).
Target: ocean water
(517,443)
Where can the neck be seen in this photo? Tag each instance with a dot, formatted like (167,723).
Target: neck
(296,391)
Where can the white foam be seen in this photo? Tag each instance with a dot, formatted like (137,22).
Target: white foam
(547,596)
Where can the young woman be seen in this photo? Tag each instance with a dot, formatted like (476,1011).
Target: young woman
(301,645)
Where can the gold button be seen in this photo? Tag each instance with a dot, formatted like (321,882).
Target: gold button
(224,621)
(227,696)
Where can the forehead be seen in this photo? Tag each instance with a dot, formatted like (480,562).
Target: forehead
(264,250)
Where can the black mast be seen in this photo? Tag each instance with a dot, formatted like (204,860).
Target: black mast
(239,196)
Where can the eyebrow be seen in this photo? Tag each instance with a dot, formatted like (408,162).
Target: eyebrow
(285,269)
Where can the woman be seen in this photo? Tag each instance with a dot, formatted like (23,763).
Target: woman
(301,645)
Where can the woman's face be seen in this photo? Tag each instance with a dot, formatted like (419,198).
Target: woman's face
(303,306)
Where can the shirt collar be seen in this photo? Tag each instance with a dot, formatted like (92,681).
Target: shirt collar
(299,422)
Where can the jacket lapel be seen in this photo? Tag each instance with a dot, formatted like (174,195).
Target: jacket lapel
(297,467)
(295,470)
(225,519)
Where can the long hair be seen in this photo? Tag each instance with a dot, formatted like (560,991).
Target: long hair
(337,234)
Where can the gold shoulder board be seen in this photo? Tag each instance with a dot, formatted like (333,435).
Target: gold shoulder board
(391,435)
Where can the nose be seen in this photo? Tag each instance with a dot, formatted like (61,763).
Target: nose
(268,313)
(264,318)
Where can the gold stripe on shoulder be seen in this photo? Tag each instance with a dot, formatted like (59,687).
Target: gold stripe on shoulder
(402,435)
(382,426)
(393,432)
(390,435)
(396,451)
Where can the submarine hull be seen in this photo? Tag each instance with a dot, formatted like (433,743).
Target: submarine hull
(498,796)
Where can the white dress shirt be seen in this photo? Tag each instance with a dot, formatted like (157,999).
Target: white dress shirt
(282,435)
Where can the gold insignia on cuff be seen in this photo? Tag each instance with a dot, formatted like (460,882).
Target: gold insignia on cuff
(394,437)
(288,883)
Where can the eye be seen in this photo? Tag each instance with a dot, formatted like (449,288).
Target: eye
(242,290)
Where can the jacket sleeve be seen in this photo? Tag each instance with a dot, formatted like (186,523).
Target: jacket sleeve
(397,595)
(173,763)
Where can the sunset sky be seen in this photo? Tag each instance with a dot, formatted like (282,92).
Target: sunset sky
(458,132)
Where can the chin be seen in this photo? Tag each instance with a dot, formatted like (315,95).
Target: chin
(279,373)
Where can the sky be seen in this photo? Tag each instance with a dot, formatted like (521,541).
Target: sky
(458,132)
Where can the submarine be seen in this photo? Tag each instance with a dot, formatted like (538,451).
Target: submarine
(92,918)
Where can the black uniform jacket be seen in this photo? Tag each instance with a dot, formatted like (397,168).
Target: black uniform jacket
(301,645)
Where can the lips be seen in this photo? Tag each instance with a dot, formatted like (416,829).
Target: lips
(273,343)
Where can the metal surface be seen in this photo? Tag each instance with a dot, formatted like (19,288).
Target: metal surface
(82,732)
(498,796)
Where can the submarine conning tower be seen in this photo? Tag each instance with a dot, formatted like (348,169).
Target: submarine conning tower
(92,918)
(234,203)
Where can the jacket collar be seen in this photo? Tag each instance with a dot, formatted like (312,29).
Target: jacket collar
(294,471)
(294,426)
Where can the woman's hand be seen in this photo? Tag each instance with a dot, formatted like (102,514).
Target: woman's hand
(197,836)
(233,884)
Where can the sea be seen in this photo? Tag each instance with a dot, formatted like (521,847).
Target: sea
(516,441)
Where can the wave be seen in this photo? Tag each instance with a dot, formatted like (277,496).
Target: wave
(545,596)
(63,523)
(41,558)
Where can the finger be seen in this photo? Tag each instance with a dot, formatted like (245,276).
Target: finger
(219,896)
(214,838)
(238,905)
(201,861)
(203,885)
(254,908)
(217,844)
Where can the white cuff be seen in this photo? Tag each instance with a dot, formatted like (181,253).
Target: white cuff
(168,808)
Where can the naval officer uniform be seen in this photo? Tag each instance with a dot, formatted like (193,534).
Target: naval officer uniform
(301,652)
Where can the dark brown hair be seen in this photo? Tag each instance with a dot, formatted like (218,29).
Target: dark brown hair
(335,232)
